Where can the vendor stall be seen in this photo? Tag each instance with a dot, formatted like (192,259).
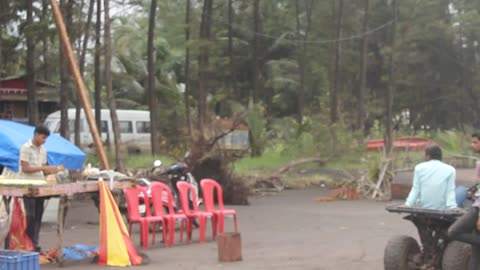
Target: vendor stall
(64,191)
(64,185)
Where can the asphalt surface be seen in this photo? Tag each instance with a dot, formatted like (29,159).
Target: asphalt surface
(284,231)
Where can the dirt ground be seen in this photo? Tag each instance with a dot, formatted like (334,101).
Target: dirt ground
(284,231)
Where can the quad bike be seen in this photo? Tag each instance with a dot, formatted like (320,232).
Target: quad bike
(436,251)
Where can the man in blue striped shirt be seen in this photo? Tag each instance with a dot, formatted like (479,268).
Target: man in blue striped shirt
(434,183)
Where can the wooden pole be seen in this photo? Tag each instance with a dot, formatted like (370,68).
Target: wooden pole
(81,88)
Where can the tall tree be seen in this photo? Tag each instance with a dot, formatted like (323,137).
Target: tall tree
(66,8)
(338,53)
(108,85)
(83,53)
(255,48)
(187,66)
(231,59)
(363,71)
(152,95)
(203,62)
(33,117)
(302,51)
(1,51)
(45,19)
(391,84)
(97,68)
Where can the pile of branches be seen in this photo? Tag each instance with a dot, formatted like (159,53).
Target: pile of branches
(207,160)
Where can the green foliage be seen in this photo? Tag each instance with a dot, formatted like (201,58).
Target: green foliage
(257,125)
(453,142)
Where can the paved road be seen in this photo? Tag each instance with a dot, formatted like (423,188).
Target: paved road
(285,231)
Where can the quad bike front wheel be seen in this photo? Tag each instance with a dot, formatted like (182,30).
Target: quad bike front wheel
(456,256)
(400,253)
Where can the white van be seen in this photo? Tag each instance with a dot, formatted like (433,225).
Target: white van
(134,127)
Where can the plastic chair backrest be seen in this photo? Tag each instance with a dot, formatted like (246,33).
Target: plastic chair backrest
(131,197)
(158,191)
(208,188)
(184,189)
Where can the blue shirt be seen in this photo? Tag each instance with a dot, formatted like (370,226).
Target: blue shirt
(433,186)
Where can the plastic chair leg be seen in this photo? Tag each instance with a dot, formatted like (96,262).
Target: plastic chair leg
(154,225)
(144,234)
(164,233)
(202,221)
(183,226)
(221,223)
(171,231)
(189,229)
(214,226)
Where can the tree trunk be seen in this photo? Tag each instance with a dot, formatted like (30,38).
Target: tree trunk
(363,73)
(108,85)
(302,54)
(66,8)
(338,52)
(152,96)
(1,51)
(391,85)
(205,27)
(86,37)
(97,70)
(255,45)
(232,77)
(33,117)
(187,68)
(46,66)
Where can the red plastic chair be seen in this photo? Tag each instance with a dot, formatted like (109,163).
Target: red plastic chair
(184,189)
(158,192)
(208,188)
(132,198)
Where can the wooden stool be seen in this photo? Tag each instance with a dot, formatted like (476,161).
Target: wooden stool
(229,247)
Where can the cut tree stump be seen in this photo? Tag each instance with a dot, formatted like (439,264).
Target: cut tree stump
(229,247)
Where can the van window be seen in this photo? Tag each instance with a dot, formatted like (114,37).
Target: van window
(143,127)
(125,126)
(104,126)
(71,126)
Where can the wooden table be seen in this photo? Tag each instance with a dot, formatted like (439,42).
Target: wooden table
(64,191)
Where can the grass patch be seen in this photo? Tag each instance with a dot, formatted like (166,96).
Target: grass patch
(269,161)
(131,161)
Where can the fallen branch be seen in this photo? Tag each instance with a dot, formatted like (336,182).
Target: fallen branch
(273,182)
(295,163)
(381,177)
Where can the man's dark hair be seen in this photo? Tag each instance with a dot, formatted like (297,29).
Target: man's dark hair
(476,135)
(42,130)
(434,152)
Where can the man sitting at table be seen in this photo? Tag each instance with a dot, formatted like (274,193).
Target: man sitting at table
(434,184)
(33,164)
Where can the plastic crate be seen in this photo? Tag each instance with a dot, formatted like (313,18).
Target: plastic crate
(19,260)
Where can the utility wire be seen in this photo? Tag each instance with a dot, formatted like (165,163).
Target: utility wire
(353,37)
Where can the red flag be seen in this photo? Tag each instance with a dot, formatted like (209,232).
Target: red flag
(116,247)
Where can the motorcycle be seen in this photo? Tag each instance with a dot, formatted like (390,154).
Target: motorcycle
(180,171)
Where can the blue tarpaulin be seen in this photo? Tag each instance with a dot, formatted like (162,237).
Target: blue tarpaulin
(59,150)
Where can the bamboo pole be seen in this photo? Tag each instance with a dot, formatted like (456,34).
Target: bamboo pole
(80,85)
